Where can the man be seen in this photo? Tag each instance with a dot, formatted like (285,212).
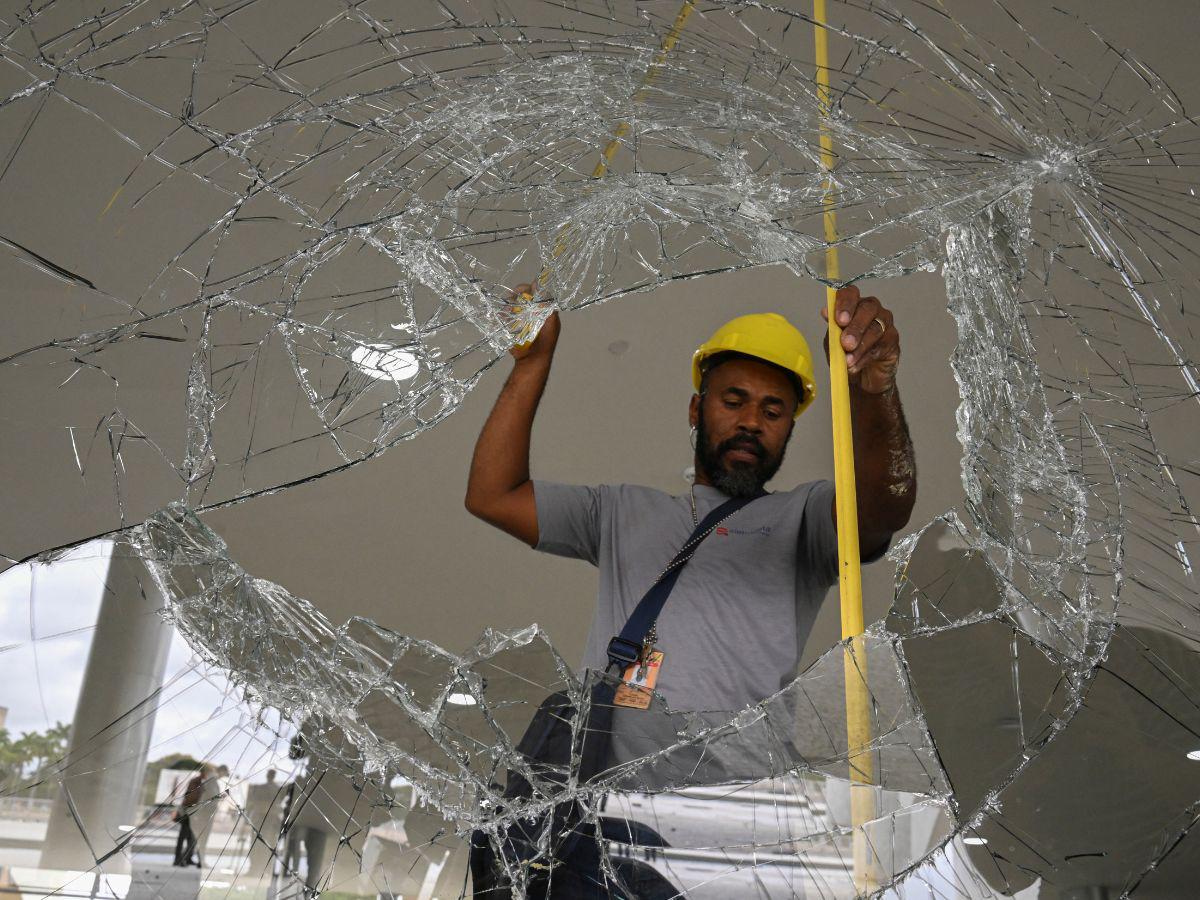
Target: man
(264,819)
(195,816)
(735,624)
(185,842)
(204,813)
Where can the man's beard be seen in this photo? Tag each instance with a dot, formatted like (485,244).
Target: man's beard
(738,479)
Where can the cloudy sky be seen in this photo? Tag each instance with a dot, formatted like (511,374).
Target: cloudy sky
(47,619)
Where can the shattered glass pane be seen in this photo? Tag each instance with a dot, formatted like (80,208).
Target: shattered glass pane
(253,243)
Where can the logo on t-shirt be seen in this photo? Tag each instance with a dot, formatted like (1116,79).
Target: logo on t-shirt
(762,530)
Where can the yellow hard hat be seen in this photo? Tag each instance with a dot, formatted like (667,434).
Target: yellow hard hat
(765,336)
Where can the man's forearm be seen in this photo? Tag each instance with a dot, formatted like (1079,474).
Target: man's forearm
(501,461)
(884,465)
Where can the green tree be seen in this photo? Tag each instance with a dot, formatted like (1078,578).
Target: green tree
(11,762)
(26,763)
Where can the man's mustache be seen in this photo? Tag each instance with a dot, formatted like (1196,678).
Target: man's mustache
(743,442)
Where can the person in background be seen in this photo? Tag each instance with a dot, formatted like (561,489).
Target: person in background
(205,811)
(185,843)
(264,817)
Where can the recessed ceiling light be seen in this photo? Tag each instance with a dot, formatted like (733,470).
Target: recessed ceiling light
(385,361)
(975,840)
(1194,754)
(462,699)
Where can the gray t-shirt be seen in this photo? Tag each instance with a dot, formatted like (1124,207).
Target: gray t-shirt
(735,624)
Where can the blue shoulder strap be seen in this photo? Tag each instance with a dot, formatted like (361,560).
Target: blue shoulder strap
(625,648)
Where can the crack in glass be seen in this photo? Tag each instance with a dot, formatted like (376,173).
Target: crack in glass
(307,215)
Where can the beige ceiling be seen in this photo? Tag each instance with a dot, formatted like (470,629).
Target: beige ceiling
(390,540)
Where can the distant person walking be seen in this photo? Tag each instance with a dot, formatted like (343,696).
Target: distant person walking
(212,789)
(185,843)
(264,816)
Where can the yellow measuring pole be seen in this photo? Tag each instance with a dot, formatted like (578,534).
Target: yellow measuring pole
(562,239)
(668,43)
(858,712)
(622,130)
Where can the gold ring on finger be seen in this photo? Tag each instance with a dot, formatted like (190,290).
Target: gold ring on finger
(882,324)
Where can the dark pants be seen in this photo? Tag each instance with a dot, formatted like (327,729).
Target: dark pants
(185,844)
(577,875)
(576,872)
(314,854)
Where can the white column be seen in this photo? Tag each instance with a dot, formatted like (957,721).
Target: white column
(101,781)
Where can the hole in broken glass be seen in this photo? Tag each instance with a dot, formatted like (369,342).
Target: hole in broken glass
(1070,247)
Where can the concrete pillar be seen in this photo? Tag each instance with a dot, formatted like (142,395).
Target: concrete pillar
(101,780)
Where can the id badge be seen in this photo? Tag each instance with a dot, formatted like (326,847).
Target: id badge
(638,681)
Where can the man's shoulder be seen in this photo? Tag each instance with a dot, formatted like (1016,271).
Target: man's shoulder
(643,498)
(813,495)
(791,506)
(640,491)
(624,499)
(642,501)
(651,496)
(619,490)
(816,487)
(805,486)
(606,500)
(800,493)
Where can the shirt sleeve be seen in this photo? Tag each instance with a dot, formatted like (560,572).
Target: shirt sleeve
(568,520)
(818,545)
(818,536)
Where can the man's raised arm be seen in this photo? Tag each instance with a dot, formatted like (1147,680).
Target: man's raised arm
(499,490)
